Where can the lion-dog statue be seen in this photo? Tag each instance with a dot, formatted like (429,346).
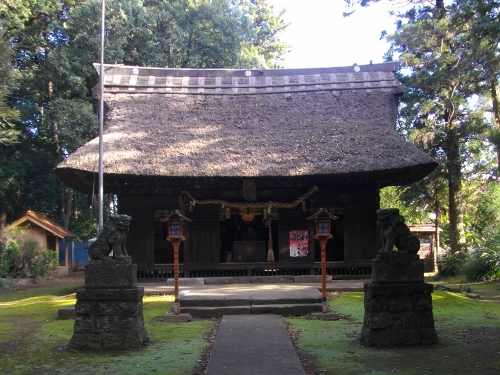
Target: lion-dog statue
(395,233)
(112,239)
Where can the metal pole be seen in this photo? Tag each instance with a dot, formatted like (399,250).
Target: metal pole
(101,122)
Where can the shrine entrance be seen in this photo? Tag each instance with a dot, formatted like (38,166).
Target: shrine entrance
(247,237)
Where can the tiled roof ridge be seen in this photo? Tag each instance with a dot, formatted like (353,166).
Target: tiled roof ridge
(131,80)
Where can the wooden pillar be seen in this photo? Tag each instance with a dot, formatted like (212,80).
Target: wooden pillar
(65,252)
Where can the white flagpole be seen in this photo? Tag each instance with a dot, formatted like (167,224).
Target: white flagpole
(101,122)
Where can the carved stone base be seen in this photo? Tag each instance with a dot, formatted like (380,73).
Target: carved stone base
(108,311)
(110,274)
(397,267)
(398,304)
(398,315)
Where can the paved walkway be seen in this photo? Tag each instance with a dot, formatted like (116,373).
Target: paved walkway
(253,345)
(245,289)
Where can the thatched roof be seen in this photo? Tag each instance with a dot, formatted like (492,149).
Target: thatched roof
(250,123)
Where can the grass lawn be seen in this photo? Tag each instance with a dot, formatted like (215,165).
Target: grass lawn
(32,340)
(468,330)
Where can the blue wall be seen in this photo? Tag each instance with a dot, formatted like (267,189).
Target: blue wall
(81,253)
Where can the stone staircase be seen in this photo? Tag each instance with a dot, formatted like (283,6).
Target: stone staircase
(278,299)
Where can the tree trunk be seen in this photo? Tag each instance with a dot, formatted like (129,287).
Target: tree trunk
(65,194)
(435,250)
(65,202)
(496,117)
(3,218)
(456,216)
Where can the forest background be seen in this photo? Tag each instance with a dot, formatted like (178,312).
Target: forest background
(450,67)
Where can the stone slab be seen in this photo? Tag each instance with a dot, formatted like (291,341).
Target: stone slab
(287,309)
(253,344)
(109,319)
(208,301)
(271,279)
(398,315)
(397,268)
(66,313)
(182,317)
(330,315)
(134,294)
(291,298)
(227,280)
(216,312)
(397,288)
(110,274)
(62,270)
(315,279)
(187,281)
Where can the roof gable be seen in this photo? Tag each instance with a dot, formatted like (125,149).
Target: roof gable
(41,220)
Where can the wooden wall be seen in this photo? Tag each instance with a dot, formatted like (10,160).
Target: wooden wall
(360,239)
(140,240)
(203,240)
(357,206)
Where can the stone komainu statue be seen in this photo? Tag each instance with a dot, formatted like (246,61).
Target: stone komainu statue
(112,239)
(394,232)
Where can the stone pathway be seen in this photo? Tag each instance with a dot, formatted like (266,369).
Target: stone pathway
(253,345)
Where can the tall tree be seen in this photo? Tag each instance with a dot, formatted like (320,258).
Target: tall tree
(450,50)
(54,44)
(442,78)
(482,19)
(8,133)
(264,49)
(35,31)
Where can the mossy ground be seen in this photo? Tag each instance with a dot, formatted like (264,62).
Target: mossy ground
(468,330)
(33,341)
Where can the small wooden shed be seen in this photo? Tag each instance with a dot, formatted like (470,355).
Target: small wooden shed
(428,234)
(46,231)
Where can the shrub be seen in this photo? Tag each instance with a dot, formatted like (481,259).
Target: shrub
(23,258)
(11,260)
(481,265)
(450,264)
(30,258)
(50,260)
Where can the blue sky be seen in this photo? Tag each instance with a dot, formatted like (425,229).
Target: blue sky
(322,37)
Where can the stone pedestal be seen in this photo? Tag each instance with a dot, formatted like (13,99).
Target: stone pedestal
(398,304)
(397,268)
(108,311)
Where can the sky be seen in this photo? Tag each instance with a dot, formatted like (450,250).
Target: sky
(322,37)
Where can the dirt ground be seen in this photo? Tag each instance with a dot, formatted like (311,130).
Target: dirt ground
(72,278)
(464,351)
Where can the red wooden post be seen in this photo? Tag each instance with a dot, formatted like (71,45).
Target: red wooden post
(175,244)
(176,236)
(322,243)
(322,220)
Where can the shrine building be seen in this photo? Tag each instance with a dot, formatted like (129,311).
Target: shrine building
(248,155)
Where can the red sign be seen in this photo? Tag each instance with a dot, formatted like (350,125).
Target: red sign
(299,243)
